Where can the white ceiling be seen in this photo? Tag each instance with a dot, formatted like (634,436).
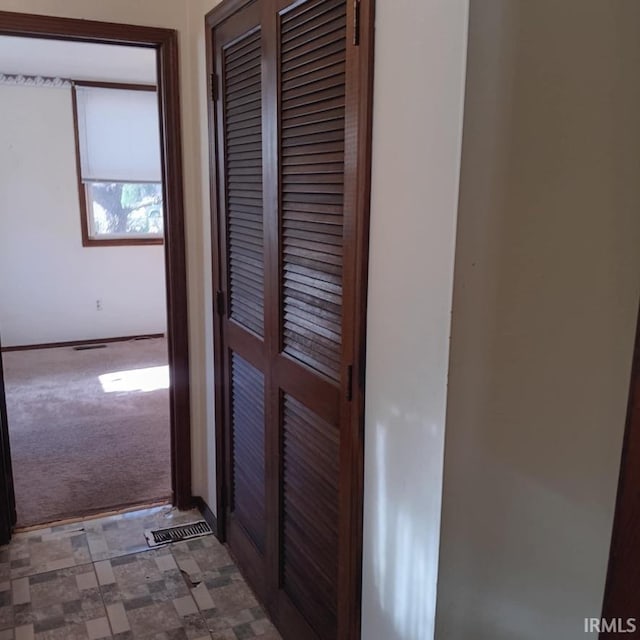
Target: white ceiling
(77,60)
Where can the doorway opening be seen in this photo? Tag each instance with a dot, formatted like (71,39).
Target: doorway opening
(93,313)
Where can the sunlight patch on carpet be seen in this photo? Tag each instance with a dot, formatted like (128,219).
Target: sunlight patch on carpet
(142,380)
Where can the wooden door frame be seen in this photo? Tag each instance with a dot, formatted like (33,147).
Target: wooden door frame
(165,43)
(8,515)
(622,587)
(351,562)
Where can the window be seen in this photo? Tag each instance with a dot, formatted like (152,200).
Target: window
(119,166)
(124,209)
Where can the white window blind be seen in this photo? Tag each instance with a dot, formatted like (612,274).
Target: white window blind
(119,135)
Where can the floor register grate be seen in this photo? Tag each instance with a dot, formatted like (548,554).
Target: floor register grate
(158,537)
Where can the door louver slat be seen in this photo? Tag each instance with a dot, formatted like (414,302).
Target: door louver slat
(303,25)
(243,143)
(310,537)
(312,68)
(247,432)
(316,53)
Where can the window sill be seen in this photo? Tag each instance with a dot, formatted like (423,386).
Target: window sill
(121,242)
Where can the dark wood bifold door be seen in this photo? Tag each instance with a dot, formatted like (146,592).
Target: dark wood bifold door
(290,145)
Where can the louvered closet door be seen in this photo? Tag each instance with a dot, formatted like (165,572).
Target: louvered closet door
(241,243)
(286,152)
(310,364)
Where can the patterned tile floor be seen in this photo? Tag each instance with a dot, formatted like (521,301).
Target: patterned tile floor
(99,579)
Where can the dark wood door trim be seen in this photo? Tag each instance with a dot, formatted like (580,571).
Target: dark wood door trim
(360,27)
(8,516)
(622,589)
(351,577)
(165,43)
(222,12)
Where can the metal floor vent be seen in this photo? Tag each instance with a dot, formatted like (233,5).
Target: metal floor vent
(158,537)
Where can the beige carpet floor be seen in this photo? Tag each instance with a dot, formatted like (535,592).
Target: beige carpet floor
(89,430)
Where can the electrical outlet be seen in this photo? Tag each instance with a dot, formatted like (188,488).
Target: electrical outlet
(98,305)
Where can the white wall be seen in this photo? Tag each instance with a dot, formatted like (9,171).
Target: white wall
(419,80)
(49,282)
(546,292)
